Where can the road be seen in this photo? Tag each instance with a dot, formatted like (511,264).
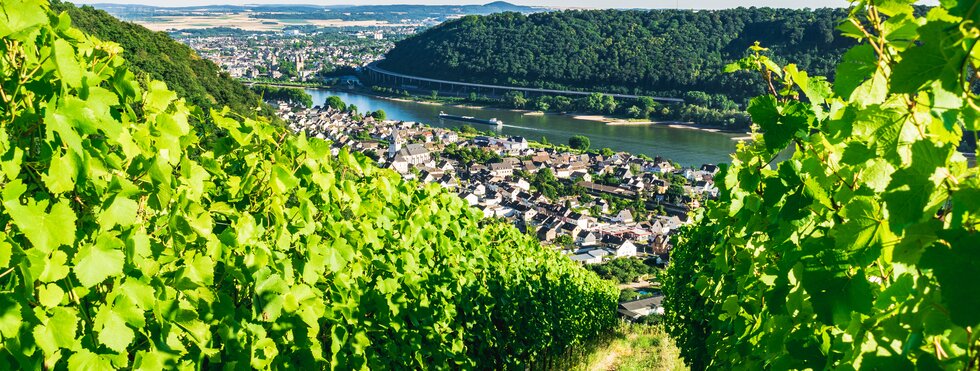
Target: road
(373,68)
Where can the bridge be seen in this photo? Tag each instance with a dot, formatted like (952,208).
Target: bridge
(380,74)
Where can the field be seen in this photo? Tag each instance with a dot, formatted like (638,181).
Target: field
(244,21)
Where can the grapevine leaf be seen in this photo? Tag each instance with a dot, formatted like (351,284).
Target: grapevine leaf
(863,227)
(64,58)
(955,265)
(61,174)
(282,180)
(936,57)
(910,195)
(48,267)
(6,251)
(835,295)
(915,240)
(891,362)
(338,255)
(50,295)
(857,65)
(816,88)
(779,125)
(20,15)
(965,9)
(10,317)
(84,360)
(115,334)
(158,97)
(58,331)
(877,174)
(95,263)
(45,230)
(121,212)
(141,293)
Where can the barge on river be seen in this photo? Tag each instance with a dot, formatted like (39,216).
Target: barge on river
(472,119)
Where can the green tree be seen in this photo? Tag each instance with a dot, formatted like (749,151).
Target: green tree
(564,240)
(336,103)
(515,99)
(592,103)
(291,95)
(562,103)
(634,112)
(288,69)
(542,105)
(608,105)
(579,142)
(379,115)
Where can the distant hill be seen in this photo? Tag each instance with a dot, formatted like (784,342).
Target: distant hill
(656,52)
(198,80)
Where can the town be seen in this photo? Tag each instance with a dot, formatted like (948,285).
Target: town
(293,55)
(594,206)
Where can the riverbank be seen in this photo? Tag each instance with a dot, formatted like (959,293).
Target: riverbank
(688,147)
(289,85)
(615,121)
(608,120)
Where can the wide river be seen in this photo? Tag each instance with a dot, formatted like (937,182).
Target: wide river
(686,146)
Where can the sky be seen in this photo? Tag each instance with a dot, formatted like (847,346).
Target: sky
(686,4)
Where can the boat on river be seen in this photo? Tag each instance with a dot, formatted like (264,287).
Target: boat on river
(472,119)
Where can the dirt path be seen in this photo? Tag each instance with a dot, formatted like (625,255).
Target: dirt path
(608,362)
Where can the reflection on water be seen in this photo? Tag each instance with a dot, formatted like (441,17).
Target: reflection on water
(688,147)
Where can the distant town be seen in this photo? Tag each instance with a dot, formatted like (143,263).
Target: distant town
(593,205)
(294,55)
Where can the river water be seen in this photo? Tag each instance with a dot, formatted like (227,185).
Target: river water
(685,146)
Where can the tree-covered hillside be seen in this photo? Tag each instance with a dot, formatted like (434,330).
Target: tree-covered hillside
(196,79)
(128,242)
(657,52)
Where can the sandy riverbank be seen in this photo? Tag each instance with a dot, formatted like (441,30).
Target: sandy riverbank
(613,121)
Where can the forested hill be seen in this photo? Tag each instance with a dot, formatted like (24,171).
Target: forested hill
(197,79)
(633,51)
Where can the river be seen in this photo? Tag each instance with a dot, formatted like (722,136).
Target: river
(685,146)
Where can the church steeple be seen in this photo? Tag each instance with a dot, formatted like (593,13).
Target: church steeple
(396,144)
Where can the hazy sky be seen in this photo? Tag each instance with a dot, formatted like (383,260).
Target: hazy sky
(687,4)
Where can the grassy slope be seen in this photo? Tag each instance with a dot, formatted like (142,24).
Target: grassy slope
(630,347)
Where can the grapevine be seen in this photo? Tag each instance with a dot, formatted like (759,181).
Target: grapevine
(860,250)
(129,242)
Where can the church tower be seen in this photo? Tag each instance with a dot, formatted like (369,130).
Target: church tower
(396,144)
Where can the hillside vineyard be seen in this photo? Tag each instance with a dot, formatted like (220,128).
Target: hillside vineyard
(129,242)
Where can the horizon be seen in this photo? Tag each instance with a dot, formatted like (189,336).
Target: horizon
(589,4)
